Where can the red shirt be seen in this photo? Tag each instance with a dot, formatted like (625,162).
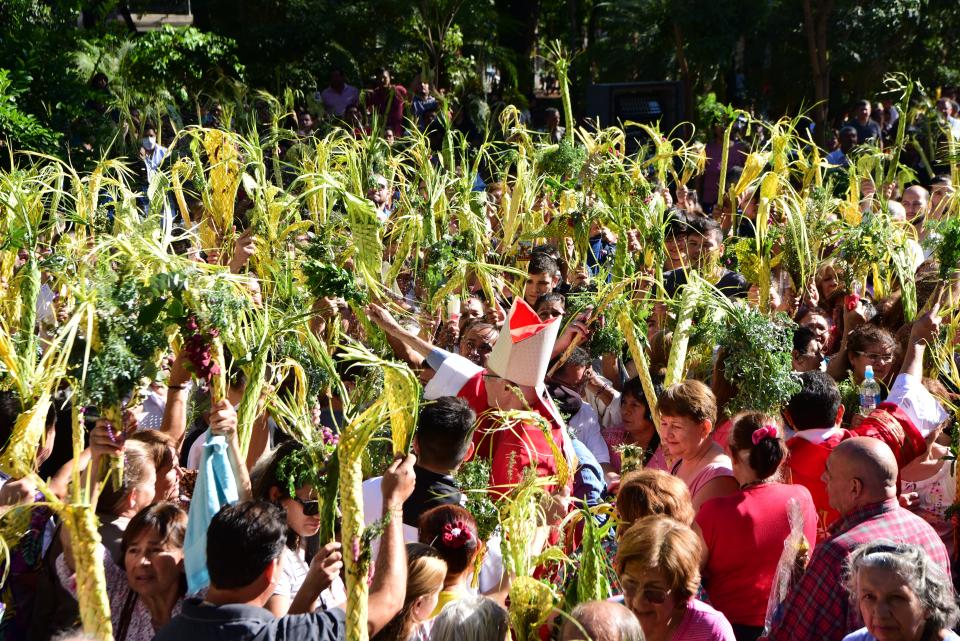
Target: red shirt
(744,535)
(807,462)
(511,451)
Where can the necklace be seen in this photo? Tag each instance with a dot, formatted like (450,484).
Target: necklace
(755,483)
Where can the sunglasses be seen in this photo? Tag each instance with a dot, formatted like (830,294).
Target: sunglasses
(310,508)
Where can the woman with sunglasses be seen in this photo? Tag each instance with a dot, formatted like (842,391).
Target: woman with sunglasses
(307,581)
(658,564)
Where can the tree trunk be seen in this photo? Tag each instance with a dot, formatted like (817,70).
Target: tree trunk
(689,108)
(815,25)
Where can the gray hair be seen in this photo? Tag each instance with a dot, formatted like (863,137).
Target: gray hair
(601,621)
(912,564)
(472,618)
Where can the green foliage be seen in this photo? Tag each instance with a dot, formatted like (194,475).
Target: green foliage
(563,161)
(473,478)
(757,359)
(22,130)
(183,61)
(948,247)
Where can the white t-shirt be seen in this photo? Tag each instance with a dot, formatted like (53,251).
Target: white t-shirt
(585,427)
(293,572)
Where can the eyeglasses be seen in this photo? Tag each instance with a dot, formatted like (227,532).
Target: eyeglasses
(880,359)
(655,596)
(481,347)
(310,508)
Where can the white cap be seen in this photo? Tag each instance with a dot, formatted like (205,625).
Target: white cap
(522,352)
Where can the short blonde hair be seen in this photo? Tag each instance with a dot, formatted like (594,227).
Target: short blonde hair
(648,492)
(661,543)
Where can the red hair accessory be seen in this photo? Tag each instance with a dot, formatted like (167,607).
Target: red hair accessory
(456,535)
(767,431)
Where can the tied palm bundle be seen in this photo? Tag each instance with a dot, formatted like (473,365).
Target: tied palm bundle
(219,188)
(594,573)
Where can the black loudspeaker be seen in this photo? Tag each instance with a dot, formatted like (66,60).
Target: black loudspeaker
(616,103)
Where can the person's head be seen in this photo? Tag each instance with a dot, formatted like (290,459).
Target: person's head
(477,340)
(571,373)
(688,411)
(452,531)
(601,621)
(425,574)
(379,191)
(543,275)
(471,618)
(675,239)
(756,447)
(278,479)
(860,471)
(896,211)
(862,111)
(848,139)
(946,108)
(139,483)
(551,116)
(163,451)
(149,140)
(444,431)
(245,543)
(647,492)
(827,279)
(552,305)
(337,79)
(915,200)
(152,549)
(868,344)
(818,320)
(635,410)
(817,405)
(900,592)
(388,136)
(704,240)
(941,189)
(383,78)
(807,355)
(658,563)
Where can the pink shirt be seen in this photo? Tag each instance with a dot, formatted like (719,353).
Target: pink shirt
(744,534)
(702,623)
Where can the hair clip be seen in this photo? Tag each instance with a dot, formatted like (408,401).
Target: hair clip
(767,431)
(456,535)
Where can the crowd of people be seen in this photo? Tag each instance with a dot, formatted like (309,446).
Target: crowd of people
(825,514)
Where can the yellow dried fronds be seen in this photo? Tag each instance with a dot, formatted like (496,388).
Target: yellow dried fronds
(643,368)
(223,182)
(18,458)
(751,171)
(531,602)
(177,172)
(521,514)
(402,393)
(694,161)
(351,501)
(81,522)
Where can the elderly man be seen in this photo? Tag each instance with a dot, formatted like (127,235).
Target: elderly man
(915,200)
(861,479)
(601,621)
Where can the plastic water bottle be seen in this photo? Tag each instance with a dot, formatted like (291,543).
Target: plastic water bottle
(869,392)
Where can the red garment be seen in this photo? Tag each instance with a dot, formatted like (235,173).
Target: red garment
(744,535)
(807,462)
(510,451)
(721,434)
(818,607)
(394,97)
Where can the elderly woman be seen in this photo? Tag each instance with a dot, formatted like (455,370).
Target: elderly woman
(743,534)
(902,595)
(146,588)
(472,618)
(688,411)
(658,565)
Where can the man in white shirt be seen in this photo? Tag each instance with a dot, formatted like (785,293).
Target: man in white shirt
(339,95)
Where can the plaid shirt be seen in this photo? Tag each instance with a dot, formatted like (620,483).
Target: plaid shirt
(818,606)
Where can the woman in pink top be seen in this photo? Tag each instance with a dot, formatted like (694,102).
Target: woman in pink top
(688,412)
(743,534)
(658,564)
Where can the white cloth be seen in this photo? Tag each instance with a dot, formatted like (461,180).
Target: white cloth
(451,377)
(337,102)
(293,572)
(491,570)
(152,410)
(912,397)
(818,436)
(585,427)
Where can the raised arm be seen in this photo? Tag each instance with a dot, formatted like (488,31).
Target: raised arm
(388,324)
(390,577)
